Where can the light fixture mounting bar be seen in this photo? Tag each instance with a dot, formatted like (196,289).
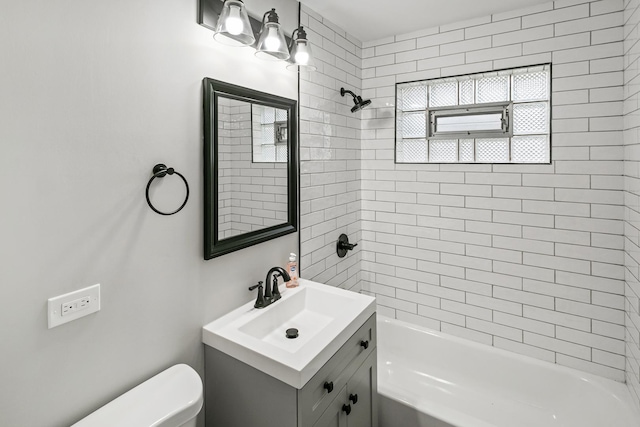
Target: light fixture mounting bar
(210,10)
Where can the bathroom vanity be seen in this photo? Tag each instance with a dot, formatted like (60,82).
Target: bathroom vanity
(325,377)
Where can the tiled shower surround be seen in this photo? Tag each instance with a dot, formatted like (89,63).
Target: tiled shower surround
(632,193)
(330,138)
(528,258)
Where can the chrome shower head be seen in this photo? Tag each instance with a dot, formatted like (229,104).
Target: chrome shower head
(357,100)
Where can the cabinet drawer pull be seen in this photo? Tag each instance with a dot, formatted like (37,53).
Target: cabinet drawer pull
(346,408)
(364,344)
(328,385)
(353,398)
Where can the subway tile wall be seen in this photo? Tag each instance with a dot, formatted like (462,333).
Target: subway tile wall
(632,193)
(330,138)
(528,258)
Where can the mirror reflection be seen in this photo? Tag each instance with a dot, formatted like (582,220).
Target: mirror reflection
(269,134)
(252,167)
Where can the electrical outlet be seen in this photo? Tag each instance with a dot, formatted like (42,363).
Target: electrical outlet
(67,308)
(75,305)
(71,306)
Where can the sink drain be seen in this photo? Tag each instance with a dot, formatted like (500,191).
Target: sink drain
(292,333)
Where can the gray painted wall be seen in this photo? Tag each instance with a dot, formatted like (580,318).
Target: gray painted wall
(93,95)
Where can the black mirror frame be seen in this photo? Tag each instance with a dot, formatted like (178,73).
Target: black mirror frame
(213,247)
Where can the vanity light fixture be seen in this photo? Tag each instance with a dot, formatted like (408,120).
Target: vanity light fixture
(271,42)
(300,51)
(233,27)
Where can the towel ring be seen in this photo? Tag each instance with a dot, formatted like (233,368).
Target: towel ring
(160,171)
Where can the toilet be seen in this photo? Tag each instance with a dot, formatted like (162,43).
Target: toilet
(173,398)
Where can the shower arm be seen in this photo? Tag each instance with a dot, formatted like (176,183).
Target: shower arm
(343,91)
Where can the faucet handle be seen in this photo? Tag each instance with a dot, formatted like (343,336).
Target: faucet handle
(275,292)
(260,301)
(258,285)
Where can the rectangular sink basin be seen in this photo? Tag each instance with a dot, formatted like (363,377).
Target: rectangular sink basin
(324,316)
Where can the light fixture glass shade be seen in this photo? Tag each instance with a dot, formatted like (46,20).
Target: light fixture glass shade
(301,56)
(271,44)
(233,28)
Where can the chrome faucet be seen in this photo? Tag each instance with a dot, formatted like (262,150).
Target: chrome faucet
(271,294)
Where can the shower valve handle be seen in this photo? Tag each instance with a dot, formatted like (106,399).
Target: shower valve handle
(343,245)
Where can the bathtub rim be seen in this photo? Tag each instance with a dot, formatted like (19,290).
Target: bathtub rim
(618,390)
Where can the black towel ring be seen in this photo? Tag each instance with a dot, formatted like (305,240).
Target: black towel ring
(160,171)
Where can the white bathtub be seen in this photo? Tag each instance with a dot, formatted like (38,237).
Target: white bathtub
(430,379)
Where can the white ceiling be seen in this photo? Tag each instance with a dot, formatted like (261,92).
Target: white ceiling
(376,19)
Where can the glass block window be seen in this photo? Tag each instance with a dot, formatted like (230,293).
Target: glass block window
(492,150)
(443,151)
(269,133)
(530,118)
(414,125)
(414,151)
(467,92)
(496,117)
(413,98)
(443,94)
(466,150)
(492,89)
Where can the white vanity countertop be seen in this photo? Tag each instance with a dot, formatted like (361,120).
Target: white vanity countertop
(325,316)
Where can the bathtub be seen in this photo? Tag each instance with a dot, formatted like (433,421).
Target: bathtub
(430,379)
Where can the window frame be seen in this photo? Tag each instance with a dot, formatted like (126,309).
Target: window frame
(548,67)
(505,109)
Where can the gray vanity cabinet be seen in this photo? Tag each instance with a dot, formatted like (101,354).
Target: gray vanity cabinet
(334,416)
(354,405)
(364,385)
(238,395)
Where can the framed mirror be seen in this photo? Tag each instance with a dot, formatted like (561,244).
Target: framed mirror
(250,167)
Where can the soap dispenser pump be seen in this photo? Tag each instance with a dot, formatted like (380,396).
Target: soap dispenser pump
(292,269)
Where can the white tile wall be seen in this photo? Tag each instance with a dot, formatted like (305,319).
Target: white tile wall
(330,154)
(524,257)
(631,110)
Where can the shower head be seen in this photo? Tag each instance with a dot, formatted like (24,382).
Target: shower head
(360,104)
(357,100)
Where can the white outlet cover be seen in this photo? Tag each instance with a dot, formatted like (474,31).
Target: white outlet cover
(54,306)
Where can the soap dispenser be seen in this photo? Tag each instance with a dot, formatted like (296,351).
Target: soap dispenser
(292,269)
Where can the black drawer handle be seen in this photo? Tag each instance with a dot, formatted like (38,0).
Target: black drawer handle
(346,408)
(328,386)
(353,398)
(364,344)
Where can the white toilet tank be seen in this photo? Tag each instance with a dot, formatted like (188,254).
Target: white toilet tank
(173,398)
